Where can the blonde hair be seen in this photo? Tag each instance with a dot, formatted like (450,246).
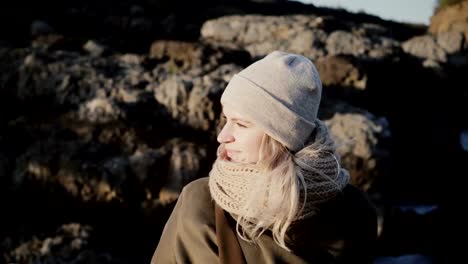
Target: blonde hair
(315,169)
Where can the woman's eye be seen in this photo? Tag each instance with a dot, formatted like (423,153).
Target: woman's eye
(240,125)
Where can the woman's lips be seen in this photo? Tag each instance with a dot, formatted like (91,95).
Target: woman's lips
(229,153)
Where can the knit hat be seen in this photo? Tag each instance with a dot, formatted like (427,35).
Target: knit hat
(279,93)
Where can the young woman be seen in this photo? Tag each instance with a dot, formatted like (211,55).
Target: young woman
(276,193)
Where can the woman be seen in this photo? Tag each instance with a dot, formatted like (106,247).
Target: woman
(276,193)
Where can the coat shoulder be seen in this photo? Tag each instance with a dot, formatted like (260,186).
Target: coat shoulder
(197,201)
(197,189)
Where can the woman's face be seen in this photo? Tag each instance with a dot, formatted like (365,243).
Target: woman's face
(241,138)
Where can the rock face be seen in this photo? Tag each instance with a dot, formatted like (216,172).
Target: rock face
(340,70)
(425,47)
(452,18)
(360,139)
(107,130)
(313,36)
(69,244)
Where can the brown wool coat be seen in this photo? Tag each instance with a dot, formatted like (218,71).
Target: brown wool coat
(344,231)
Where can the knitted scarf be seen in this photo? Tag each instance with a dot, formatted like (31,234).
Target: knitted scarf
(230,183)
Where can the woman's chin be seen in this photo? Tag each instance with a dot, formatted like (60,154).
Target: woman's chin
(226,158)
(234,159)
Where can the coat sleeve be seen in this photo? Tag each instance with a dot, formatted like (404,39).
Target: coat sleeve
(366,238)
(345,230)
(189,235)
(361,229)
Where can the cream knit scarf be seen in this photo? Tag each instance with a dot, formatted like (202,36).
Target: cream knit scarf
(231,183)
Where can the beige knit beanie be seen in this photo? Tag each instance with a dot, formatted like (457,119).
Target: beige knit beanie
(279,93)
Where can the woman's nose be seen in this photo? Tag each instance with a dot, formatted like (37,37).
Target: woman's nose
(225,136)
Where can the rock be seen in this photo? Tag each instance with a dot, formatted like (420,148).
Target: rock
(203,57)
(130,59)
(383,48)
(339,70)
(55,76)
(68,245)
(173,94)
(183,54)
(142,162)
(424,47)
(262,34)
(359,138)
(342,42)
(79,169)
(430,63)
(115,135)
(94,49)
(184,166)
(222,29)
(370,29)
(450,18)
(47,41)
(309,42)
(204,98)
(200,108)
(310,35)
(86,88)
(89,173)
(99,110)
(451,41)
(193,100)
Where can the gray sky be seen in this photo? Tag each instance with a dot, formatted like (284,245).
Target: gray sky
(412,11)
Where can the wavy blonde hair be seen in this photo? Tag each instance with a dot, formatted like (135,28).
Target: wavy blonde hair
(286,195)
